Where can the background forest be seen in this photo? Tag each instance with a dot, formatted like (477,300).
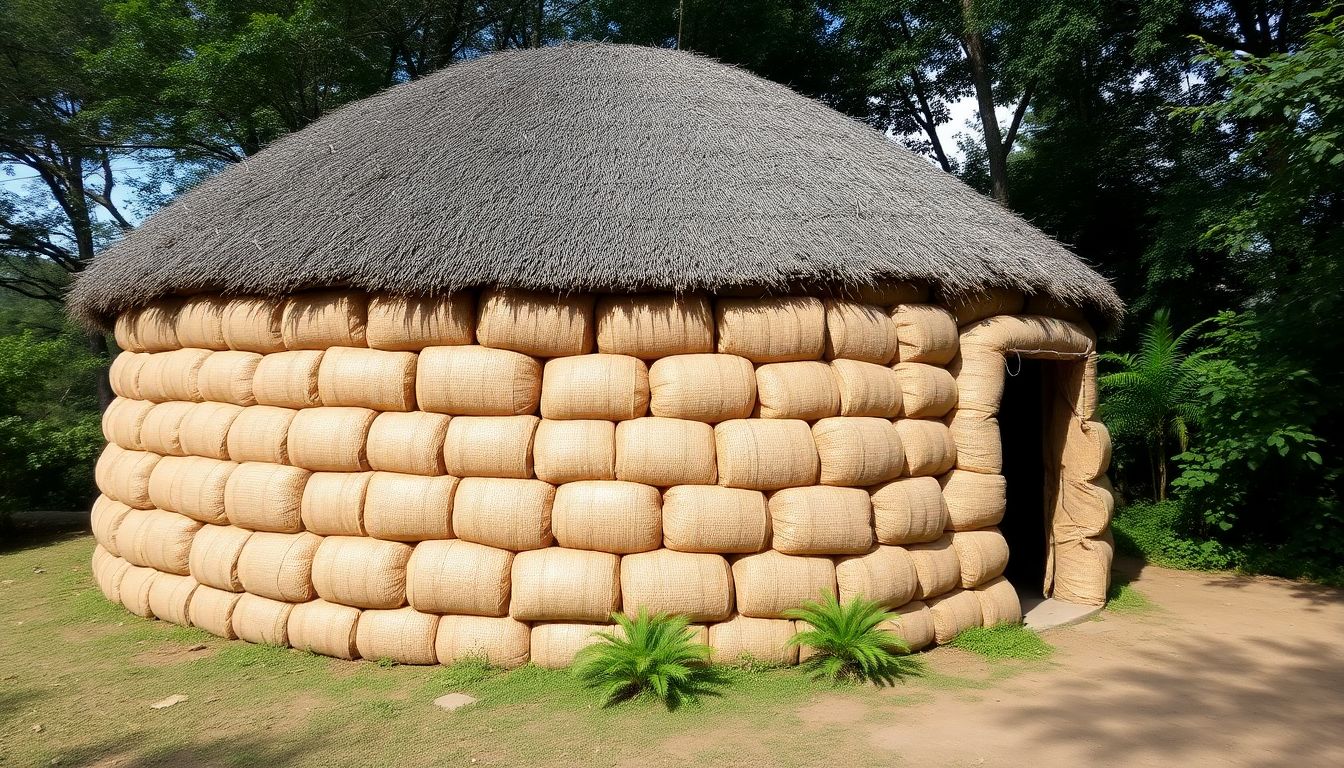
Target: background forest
(1193,152)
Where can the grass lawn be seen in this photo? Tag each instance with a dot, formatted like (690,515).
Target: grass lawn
(79,675)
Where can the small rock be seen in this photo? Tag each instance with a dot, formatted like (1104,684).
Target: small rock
(452,701)
(176,698)
(197,647)
(37,728)
(6,582)
(55,761)
(39,570)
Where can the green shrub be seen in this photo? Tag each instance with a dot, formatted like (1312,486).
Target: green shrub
(1122,598)
(1156,532)
(848,642)
(1003,641)
(653,654)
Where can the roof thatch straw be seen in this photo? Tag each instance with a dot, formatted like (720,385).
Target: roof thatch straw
(583,167)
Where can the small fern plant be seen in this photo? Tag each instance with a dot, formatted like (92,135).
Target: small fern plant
(652,654)
(848,642)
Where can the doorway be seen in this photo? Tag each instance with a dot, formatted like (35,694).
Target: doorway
(1023,415)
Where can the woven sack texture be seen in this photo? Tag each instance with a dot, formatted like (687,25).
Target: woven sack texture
(927,333)
(651,326)
(503,513)
(108,571)
(212,610)
(937,569)
(555,645)
(214,554)
(253,324)
(762,641)
(226,377)
(161,430)
(772,330)
(887,294)
(133,591)
(261,433)
(333,503)
(411,443)
(323,319)
(152,328)
(477,381)
(701,387)
(124,374)
(1086,451)
(172,375)
(403,635)
(258,619)
(204,430)
(612,387)
(330,439)
(360,572)
(409,507)
(821,520)
(1084,507)
(326,628)
(490,446)
(367,378)
(766,454)
(279,565)
(608,516)
(1082,568)
(714,519)
(927,391)
(123,420)
(539,324)
(124,475)
(998,603)
(983,555)
(569,451)
(157,539)
(501,642)
(867,389)
(799,390)
(104,520)
(459,577)
(953,614)
(928,445)
(973,500)
(662,452)
(170,598)
(200,323)
(967,308)
(979,447)
(885,575)
(913,625)
(770,583)
(858,331)
(411,323)
(266,497)
(558,584)
(697,586)
(288,379)
(858,450)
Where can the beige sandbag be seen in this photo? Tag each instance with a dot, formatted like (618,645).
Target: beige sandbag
(697,586)
(650,326)
(212,610)
(333,503)
(200,322)
(766,454)
(1083,507)
(568,451)
(1044,337)
(279,565)
(1087,447)
(258,619)
(969,307)
(204,430)
(490,446)
(998,603)
(559,584)
(411,323)
(1044,304)
(252,324)
(170,598)
(534,323)
(361,572)
(711,518)
(330,439)
(161,431)
(800,390)
(973,500)
(887,293)
(927,391)
(133,591)
(261,433)
(555,645)
(172,375)
(157,539)
(123,421)
(505,513)
(455,576)
(982,554)
(367,378)
(412,508)
(979,444)
(108,571)
(928,445)
(326,628)
(913,625)
(477,381)
(770,583)
(151,328)
(214,555)
(226,377)
(821,520)
(288,379)
(662,452)
(266,497)
(885,575)
(927,333)
(746,639)
(772,330)
(708,388)
(909,511)
(105,519)
(937,567)
(1083,570)
(953,614)
(858,450)
(867,389)
(608,516)
(978,373)
(612,387)
(411,443)
(192,486)
(123,475)
(859,331)
(323,319)
(501,642)
(124,374)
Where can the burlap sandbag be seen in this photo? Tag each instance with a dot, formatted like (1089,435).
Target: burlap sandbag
(364,573)
(888,293)
(411,443)
(770,583)
(326,628)
(279,565)
(214,555)
(1083,508)
(170,598)
(331,439)
(504,513)
(490,446)
(612,387)
(151,328)
(663,452)
(226,377)
(265,497)
(367,378)
(885,575)
(953,614)
(708,388)
(161,431)
(172,375)
(867,389)
(913,625)
(1086,451)
(998,603)
(253,324)
(1045,337)
(937,568)
(409,508)
(766,454)
(105,519)
(799,390)
(123,421)
(124,374)
(258,619)
(714,519)
(108,571)
(982,554)
(455,576)
(858,450)
(477,381)
(569,451)
(204,430)
(821,520)
(608,516)
(973,500)
(157,539)
(927,391)
(333,503)
(212,610)
(288,379)
(534,323)
(927,333)
(650,326)
(981,367)
(261,433)
(969,307)
(322,319)
(133,591)
(745,639)
(123,475)
(697,586)
(200,322)
(555,645)
(1082,569)
(191,485)
(411,323)
(858,331)
(909,511)
(772,330)
(558,584)
(979,444)
(501,642)
(928,445)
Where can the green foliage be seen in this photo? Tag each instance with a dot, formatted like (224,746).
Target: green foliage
(1003,641)
(848,642)
(1160,534)
(652,654)
(1122,598)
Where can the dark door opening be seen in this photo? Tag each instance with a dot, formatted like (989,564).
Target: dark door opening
(1022,422)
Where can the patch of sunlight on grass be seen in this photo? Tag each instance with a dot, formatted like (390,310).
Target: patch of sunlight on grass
(1122,598)
(1003,641)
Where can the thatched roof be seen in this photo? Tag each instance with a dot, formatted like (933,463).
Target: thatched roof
(583,167)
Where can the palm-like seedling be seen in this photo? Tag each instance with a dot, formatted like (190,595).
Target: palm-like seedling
(649,654)
(848,641)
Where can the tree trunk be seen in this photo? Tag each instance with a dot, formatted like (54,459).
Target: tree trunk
(1162,469)
(97,344)
(984,97)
